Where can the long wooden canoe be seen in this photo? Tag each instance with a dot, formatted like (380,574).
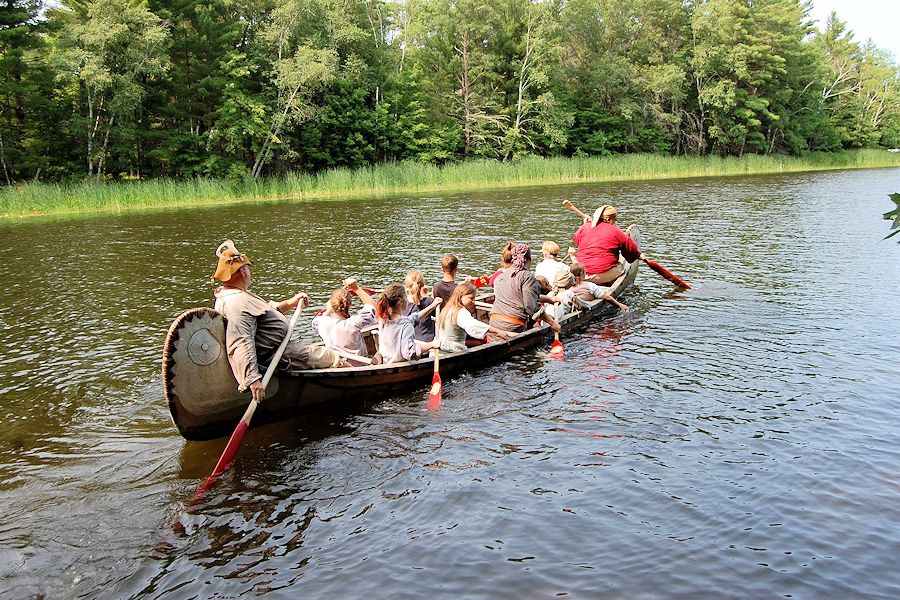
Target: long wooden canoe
(202,393)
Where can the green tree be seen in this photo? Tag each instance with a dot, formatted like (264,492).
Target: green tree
(108,48)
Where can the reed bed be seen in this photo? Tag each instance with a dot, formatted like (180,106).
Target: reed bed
(38,199)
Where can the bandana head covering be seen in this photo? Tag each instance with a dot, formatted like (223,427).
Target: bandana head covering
(605,212)
(521,254)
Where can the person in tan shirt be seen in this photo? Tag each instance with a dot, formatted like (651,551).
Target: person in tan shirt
(256,328)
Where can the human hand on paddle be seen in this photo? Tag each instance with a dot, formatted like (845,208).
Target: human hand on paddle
(258,391)
(296,299)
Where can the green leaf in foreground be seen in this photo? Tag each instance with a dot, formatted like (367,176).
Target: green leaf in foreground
(895,215)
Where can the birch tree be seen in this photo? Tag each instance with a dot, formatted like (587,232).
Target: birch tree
(109,49)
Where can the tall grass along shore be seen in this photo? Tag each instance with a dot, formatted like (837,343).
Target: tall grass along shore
(34,200)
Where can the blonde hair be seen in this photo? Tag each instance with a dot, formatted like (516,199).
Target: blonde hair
(550,247)
(455,302)
(341,301)
(415,285)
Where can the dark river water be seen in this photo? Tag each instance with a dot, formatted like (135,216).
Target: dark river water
(739,439)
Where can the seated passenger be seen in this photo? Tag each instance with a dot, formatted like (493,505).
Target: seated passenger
(557,273)
(418,299)
(449,269)
(517,295)
(585,290)
(457,321)
(338,329)
(397,333)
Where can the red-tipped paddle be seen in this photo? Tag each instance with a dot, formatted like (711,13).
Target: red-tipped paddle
(650,263)
(667,273)
(556,349)
(481,281)
(434,394)
(234,443)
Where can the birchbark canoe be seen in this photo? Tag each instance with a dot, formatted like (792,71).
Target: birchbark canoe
(202,395)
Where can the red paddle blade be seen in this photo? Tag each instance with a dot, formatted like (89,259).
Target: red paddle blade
(480,282)
(434,394)
(225,461)
(668,274)
(556,349)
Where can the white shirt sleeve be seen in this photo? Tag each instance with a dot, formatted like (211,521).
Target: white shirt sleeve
(597,290)
(470,324)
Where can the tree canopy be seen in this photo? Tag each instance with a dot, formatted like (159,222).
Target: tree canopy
(186,88)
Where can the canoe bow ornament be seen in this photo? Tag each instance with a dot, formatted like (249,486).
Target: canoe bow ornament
(203,348)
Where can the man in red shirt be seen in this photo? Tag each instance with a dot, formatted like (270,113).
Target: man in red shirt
(600,242)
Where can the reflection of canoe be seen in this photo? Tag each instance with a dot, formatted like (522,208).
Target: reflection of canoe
(202,392)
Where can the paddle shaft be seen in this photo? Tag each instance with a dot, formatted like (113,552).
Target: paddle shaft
(437,336)
(568,204)
(234,443)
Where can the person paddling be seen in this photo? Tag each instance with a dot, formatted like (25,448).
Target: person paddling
(397,333)
(256,328)
(338,328)
(600,243)
(457,321)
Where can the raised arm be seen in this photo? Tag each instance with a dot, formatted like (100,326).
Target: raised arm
(361,293)
(430,308)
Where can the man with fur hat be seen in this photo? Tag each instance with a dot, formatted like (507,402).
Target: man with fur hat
(255,327)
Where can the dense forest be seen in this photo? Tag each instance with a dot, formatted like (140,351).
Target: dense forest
(224,88)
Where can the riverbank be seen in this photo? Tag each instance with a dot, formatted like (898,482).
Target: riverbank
(36,200)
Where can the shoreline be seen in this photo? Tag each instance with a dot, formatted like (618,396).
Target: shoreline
(30,202)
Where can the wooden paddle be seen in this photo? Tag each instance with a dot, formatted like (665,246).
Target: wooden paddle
(434,394)
(650,263)
(667,273)
(568,204)
(234,443)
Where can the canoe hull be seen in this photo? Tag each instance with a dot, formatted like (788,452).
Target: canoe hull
(202,393)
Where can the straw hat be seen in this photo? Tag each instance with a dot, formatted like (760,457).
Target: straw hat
(230,260)
(606,210)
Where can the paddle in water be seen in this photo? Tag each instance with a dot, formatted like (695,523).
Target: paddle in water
(234,443)
(556,349)
(664,272)
(434,393)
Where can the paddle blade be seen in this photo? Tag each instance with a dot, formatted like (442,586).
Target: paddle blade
(434,394)
(480,282)
(225,461)
(668,274)
(556,349)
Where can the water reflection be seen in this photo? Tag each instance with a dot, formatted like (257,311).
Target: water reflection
(735,436)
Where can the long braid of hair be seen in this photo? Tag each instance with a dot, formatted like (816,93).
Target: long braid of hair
(389,298)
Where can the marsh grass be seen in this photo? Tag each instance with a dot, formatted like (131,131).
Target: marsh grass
(32,200)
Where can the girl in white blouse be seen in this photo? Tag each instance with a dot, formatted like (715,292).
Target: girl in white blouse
(457,321)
